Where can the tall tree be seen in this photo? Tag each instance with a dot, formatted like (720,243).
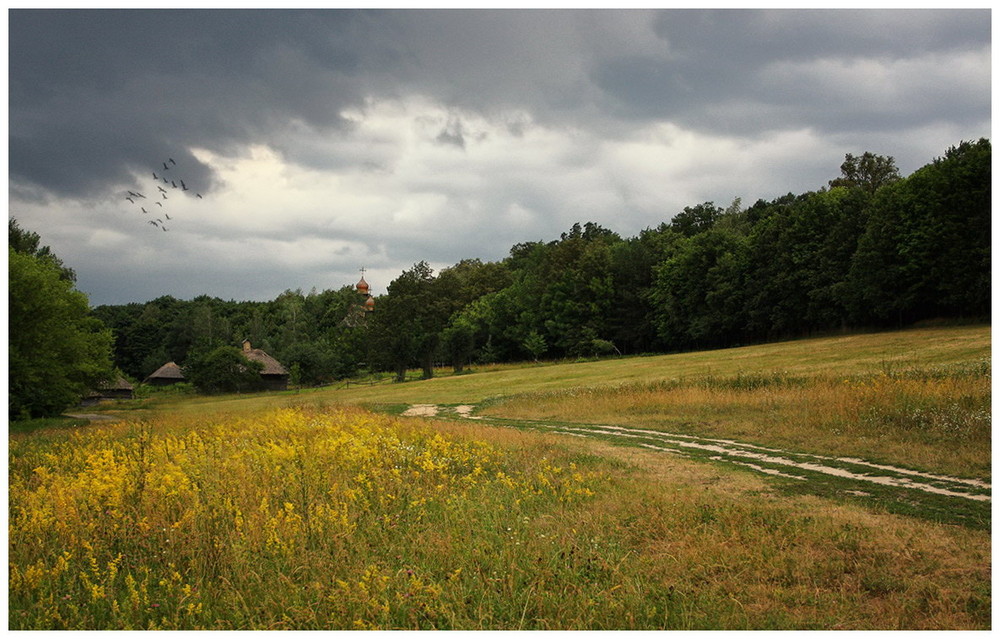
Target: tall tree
(869,172)
(696,219)
(224,370)
(28,243)
(699,293)
(58,351)
(926,249)
(409,321)
(800,253)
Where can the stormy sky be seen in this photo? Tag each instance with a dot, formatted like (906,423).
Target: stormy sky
(324,141)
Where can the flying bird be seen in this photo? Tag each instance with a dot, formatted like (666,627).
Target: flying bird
(183,186)
(163,228)
(159,204)
(172,161)
(172,184)
(154,176)
(144,209)
(199,196)
(161,188)
(166,215)
(164,195)
(165,167)
(154,224)
(137,194)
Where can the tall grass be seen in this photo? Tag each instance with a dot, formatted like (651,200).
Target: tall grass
(331,519)
(936,418)
(288,519)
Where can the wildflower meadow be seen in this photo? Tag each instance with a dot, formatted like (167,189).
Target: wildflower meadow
(338,518)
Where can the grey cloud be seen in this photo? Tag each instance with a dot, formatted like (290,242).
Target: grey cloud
(452,134)
(95,93)
(96,96)
(721,63)
(753,36)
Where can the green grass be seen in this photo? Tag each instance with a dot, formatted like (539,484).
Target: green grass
(847,355)
(918,398)
(32,425)
(294,510)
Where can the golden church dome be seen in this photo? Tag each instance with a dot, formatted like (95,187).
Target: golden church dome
(363,286)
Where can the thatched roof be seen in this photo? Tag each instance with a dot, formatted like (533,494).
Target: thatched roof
(271,365)
(119,384)
(169,370)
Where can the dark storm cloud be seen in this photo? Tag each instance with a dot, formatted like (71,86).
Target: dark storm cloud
(724,70)
(339,138)
(751,36)
(94,94)
(97,94)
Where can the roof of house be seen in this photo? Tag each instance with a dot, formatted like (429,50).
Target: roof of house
(169,370)
(271,365)
(119,384)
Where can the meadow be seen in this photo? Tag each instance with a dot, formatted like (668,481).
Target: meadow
(322,510)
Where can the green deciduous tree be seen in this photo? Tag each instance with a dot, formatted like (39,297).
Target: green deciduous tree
(869,172)
(695,219)
(409,321)
(699,293)
(224,370)
(800,254)
(57,350)
(535,344)
(28,243)
(926,249)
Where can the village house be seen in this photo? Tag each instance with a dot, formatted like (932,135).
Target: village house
(120,388)
(169,373)
(275,375)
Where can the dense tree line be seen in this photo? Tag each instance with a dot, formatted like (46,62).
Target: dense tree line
(306,332)
(870,249)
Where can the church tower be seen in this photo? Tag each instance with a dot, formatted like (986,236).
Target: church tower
(364,289)
(358,313)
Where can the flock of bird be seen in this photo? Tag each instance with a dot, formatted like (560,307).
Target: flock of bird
(135,197)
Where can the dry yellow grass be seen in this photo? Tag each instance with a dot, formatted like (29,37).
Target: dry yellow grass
(934,422)
(796,562)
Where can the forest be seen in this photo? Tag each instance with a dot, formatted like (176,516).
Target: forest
(869,250)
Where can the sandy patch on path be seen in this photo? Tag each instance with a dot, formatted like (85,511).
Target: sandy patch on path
(465,410)
(421,410)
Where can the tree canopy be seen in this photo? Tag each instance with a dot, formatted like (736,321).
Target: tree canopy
(58,351)
(224,370)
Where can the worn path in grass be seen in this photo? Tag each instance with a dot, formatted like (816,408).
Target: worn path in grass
(932,496)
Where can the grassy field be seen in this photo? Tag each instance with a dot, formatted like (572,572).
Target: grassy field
(311,510)
(849,355)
